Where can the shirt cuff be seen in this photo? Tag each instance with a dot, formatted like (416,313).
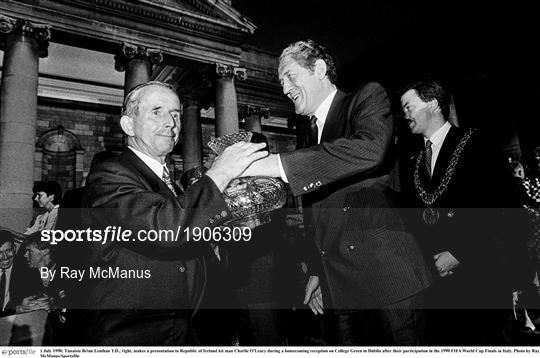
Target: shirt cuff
(281,171)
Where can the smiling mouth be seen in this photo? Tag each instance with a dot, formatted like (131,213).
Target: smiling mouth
(294,97)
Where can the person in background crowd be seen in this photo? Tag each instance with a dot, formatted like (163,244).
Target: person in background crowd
(48,196)
(16,280)
(530,201)
(52,295)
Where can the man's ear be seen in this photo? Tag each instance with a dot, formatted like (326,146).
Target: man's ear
(320,68)
(434,105)
(126,123)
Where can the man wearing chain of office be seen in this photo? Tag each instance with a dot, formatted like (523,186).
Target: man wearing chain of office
(455,183)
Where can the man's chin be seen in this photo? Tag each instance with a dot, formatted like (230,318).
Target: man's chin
(299,109)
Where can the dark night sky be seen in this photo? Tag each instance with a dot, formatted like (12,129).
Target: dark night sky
(389,39)
(485,52)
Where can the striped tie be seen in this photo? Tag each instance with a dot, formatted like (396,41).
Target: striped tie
(313,134)
(167,180)
(429,153)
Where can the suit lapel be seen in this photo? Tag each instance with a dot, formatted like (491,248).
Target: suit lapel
(333,123)
(156,184)
(332,129)
(445,155)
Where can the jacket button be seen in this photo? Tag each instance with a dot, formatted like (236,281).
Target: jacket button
(450,214)
(346,208)
(181,269)
(223,213)
(350,248)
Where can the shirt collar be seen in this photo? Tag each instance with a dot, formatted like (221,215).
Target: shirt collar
(439,135)
(322,111)
(153,164)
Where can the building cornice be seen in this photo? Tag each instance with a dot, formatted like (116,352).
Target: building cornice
(103,24)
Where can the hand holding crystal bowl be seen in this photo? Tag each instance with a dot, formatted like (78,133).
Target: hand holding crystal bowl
(250,199)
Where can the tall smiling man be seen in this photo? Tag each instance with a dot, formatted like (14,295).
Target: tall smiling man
(135,192)
(371,272)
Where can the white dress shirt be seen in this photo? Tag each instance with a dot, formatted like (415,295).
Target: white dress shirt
(7,272)
(437,140)
(153,164)
(321,113)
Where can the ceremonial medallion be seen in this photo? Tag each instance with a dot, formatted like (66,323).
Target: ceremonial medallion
(430,216)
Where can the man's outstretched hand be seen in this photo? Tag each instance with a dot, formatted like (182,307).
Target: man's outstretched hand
(233,161)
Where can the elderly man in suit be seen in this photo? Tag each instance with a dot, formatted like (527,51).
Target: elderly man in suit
(457,184)
(371,272)
(134,191)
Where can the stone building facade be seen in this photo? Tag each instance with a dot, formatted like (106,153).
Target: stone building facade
(67,64)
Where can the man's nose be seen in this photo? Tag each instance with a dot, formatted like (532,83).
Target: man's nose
(286,86)
(170,122)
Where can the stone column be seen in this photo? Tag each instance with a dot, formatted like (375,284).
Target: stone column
(226,105)
(253,115)
(191,134)
(137,61)
(24,43)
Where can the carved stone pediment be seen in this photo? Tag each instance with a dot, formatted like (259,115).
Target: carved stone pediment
(207,31)
(217,9)
(198,15)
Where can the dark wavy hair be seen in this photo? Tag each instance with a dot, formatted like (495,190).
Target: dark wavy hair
(49,188)
(306,52)
(428,91)
(6,236)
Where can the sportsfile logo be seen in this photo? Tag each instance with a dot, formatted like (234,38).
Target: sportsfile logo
(24,352)
(118,234)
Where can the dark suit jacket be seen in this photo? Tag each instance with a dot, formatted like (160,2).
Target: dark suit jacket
(368,259)
(471,221)
(23,282)
(124,192)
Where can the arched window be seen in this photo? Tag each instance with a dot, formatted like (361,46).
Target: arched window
(59,157)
